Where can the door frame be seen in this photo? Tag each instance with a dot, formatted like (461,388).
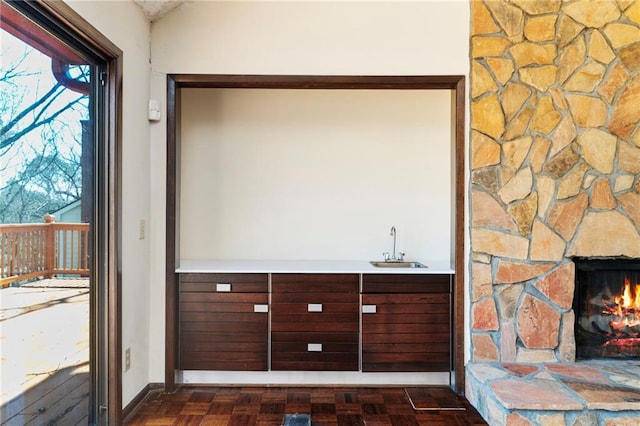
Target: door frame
(61,18)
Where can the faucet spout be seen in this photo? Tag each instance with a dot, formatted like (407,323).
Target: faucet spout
(393,234)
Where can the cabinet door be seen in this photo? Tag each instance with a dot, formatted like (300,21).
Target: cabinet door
(223,322)
(315,322)
(406,323)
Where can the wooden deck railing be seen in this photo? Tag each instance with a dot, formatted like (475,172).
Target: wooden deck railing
(31,250)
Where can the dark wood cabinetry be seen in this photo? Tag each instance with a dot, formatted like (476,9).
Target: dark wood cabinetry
(315,322)
(406,322)
(224,322)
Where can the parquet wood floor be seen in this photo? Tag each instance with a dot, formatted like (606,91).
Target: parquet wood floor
(343,406)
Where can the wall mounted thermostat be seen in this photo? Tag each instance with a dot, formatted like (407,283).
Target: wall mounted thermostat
(154,110)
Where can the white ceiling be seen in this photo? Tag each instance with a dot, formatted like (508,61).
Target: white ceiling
(155,9)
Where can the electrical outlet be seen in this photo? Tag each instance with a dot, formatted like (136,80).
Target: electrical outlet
(127,359)
(141,230)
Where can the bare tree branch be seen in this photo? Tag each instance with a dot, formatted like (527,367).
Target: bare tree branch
(41,172)
(6,142)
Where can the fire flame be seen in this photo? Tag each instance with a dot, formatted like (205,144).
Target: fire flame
(625,308)
(627,301)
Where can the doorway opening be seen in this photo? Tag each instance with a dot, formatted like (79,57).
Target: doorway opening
(59,151)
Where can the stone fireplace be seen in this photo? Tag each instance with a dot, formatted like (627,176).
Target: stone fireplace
(555,159)
(555,166)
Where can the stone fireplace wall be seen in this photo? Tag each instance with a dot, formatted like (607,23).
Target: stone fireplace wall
(555,164)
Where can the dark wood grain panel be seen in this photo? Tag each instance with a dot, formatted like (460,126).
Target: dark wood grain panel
(224,347)
(411,328)
(345,359)
(383,318)
(240,283)
(222,307)
(405,328)
(197,338)
(224,317)
(226,361)
(221,364)
(212,287)
(285,349)
(208,326)
(220,330)
(307,323)
(406,283)
(419,299)
(315,283)
(336,328)
(349,337)
(323,318)
(407,357)
(303,308)
(213,297)
(337,365)
(221,347)
(408,309)
(324,356)
(406,348)
(409,338)
(217,355)
(399,367)
(305,298)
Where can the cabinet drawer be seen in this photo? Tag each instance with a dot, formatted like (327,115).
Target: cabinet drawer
(223,322)
(346,322)
(221,302)
(231,338)
(315,283)
(406,283)
(406,332)
(234,348)
(320,351)
(416,305)
(314,298)
(224,283)
(314,312)
(315,322)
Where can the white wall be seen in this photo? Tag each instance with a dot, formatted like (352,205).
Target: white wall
(354,38)
(315,174)
(123,23)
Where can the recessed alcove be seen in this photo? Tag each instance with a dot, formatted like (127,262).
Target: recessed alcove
(454,183)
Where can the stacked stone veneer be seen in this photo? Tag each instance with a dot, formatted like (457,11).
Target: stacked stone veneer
(555,164)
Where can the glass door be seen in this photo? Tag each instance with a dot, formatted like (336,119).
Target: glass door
(53,317)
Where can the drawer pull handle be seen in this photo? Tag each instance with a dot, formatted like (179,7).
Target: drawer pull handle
(260,308)
(369,309)
(314,307)
(223,287)
(314,347)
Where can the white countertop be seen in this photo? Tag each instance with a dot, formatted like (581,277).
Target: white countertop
(304,266)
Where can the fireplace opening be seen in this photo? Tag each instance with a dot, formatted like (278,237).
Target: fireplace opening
(607,308)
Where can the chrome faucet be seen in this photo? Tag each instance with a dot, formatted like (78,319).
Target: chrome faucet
(392,257)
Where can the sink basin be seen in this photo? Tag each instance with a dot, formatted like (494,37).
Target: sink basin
(396,264)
